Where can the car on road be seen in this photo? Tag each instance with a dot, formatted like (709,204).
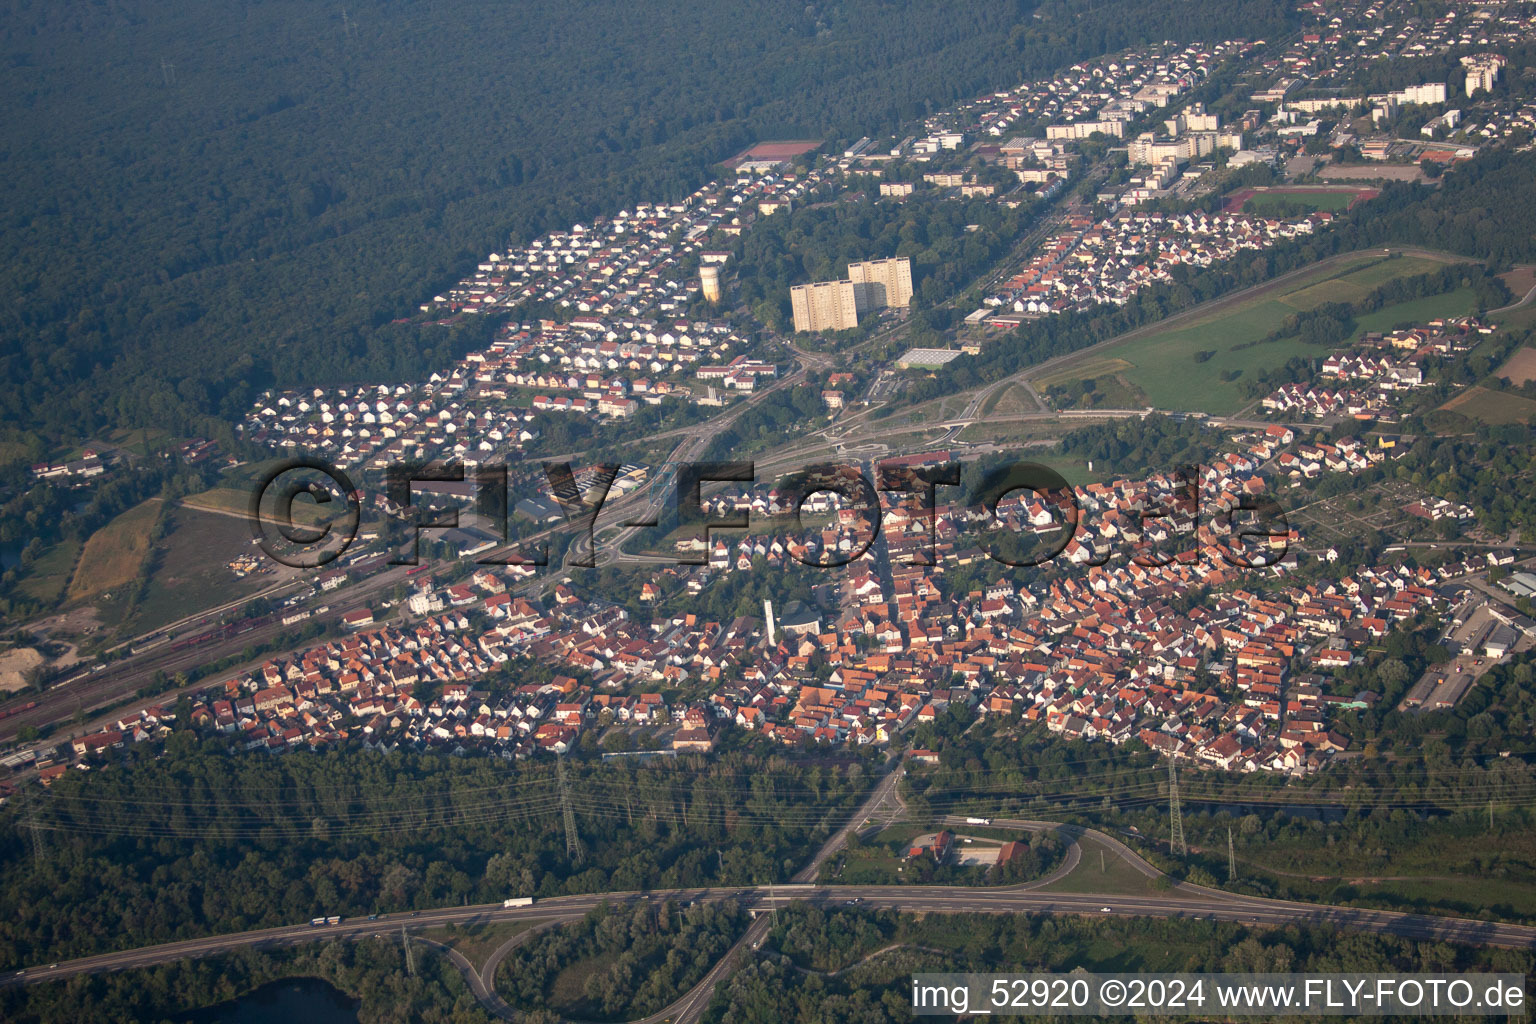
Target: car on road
(1106,910)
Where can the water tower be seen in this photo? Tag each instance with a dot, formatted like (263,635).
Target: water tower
(709,277)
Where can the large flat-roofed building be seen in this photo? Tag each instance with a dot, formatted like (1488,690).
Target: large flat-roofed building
(824,306)
(884,282)
(926,358)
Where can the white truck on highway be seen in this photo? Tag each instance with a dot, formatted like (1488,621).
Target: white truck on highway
(978,821)
(320,922)
(521,901)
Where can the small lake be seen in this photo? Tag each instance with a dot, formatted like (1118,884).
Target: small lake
(282,1002)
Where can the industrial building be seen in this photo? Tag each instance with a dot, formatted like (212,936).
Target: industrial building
(1521,584)
(926,358)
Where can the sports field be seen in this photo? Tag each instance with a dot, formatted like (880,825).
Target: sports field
(1201,365)
(783,149)
(1328,198)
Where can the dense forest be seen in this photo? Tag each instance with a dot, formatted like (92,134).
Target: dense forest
(200,842)
(1135,448)
(208,199)
(620,963)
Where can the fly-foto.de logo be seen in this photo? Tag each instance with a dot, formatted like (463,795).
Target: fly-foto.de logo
(1021,514)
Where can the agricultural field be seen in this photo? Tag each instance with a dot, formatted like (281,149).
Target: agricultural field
(1201,365)
(1519,280)
(1357,284)
(1417,311)
(1491,407)
(1090,370)
(1520,367)
(114,555)
(1517,319)
(139,441)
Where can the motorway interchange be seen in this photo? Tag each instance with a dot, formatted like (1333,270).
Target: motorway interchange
(1180,900)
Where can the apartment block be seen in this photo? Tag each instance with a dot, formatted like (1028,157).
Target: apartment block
(882,282)
(1482,72)
(826,305)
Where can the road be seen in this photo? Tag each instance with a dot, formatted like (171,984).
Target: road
(1181,901)
(1528,298)
(868,816)
(880,808)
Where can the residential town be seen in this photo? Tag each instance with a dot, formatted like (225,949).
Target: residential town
(1089,263)
(693,515)
(1096,647)
(1367,381)
(1099,647)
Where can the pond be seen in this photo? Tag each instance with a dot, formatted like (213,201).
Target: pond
(282,1002)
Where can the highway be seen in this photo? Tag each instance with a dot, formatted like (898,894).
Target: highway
(1182,901)
(882,807)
